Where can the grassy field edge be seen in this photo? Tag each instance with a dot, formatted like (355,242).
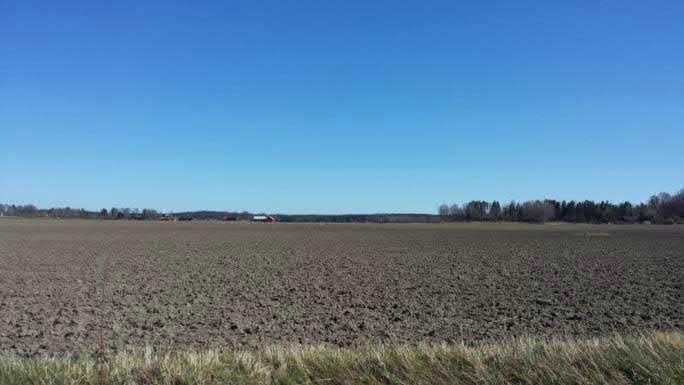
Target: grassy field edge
(652,358)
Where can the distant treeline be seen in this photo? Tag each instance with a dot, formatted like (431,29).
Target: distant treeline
(302,218)
(151,214)
(355,218)
(662,208)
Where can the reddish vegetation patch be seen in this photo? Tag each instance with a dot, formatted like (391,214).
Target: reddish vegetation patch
(229,284)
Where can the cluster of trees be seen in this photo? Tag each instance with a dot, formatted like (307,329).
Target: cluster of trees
(661,208)
(33,211)
(69,212)
(128,213)
(19,210)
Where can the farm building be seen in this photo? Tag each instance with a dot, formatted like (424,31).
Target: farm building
(263,218)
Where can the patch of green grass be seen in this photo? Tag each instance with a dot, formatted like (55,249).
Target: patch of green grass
(655,358)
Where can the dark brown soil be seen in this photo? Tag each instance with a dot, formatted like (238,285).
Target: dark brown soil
(68,285)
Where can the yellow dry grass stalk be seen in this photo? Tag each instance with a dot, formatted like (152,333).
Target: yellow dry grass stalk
(653,358)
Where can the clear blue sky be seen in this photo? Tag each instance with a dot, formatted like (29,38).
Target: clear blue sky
(338,106)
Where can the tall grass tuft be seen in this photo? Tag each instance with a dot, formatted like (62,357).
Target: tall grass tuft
(654,358)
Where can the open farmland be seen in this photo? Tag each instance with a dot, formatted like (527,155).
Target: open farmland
(67,285)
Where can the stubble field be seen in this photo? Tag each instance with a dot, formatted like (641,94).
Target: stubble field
(70,286)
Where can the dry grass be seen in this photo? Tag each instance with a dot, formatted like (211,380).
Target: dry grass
(656,358)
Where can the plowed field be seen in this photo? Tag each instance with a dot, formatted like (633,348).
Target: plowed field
(68,285)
